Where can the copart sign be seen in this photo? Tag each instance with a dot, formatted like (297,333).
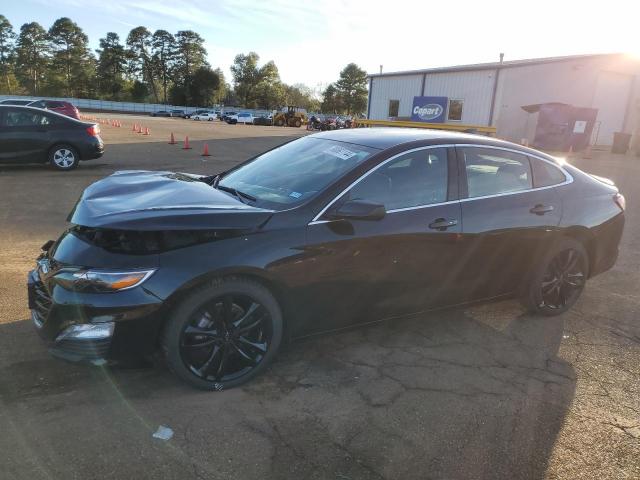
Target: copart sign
(429,109)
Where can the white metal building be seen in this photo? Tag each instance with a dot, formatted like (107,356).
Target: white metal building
(492,94)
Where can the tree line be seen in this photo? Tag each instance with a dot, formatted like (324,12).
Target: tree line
(158,67)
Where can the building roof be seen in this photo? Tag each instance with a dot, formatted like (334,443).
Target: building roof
(494,65)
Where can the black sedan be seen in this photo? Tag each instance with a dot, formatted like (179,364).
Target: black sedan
(33,135)
(325,232)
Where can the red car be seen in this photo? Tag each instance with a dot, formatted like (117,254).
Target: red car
(58,106)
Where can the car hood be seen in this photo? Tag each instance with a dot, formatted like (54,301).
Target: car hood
(143,200)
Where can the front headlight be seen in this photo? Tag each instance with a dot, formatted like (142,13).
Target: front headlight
(102,280)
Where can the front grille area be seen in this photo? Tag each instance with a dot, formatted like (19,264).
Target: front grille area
(40,302)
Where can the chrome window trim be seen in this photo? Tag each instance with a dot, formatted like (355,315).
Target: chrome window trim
(567,175)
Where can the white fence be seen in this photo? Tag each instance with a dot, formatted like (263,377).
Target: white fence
(131,107)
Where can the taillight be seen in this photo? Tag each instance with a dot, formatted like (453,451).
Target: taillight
(620,201)
(94,130)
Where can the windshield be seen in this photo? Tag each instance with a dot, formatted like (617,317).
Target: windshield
(295,172)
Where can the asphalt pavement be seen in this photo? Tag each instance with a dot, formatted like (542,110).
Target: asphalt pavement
(486,392)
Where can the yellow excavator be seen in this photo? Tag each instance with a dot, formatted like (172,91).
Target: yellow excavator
(292,117)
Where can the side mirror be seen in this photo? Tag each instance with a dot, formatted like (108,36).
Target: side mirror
(358,210)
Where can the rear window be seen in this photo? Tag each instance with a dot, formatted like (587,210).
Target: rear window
(545,174)
(492,171)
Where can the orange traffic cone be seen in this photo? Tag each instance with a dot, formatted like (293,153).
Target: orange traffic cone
(172,141)
(135,128)
(139,129)
(205,152)
(146,130)
(186,144)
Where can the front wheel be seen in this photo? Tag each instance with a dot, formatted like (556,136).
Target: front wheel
(559,279)
(64,157)
(223,334)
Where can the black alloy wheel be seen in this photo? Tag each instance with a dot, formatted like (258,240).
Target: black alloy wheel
(224,334)
(559,279)
(563,280)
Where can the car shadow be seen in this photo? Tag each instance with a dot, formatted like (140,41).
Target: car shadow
(477,393)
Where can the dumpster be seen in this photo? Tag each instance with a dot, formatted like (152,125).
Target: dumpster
(621,142)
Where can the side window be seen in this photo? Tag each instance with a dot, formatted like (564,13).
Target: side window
(491,171)
(39,104)
(25,118)
(545,174)
(394,108)
(411,180)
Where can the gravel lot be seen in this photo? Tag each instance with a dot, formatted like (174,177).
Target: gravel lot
(481,393)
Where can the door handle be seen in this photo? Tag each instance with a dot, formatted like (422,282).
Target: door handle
(442,224)
(541,209)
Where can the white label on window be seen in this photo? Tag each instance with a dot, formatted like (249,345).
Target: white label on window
(580,126)
(340,152)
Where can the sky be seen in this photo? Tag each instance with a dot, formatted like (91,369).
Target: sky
(311,41)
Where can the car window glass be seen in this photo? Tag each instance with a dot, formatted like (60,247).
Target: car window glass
(413,179)
(39,104)
(25,118)
(296,171)
(545,174)
(491,171)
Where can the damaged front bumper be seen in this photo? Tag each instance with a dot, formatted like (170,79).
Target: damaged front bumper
(92,327)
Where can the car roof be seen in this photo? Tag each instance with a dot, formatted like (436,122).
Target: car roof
(387,137)
(43,112)
(7,100)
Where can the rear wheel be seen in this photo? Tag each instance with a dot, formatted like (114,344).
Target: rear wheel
(223,334)
(279,122)
(64,157)
(559,280)
(297,123)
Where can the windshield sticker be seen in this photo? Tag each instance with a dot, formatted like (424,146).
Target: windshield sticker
(295,194)
(340,152)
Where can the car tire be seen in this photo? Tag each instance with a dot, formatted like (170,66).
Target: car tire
(198,330)
(558,280)
(64,157)
(297,123)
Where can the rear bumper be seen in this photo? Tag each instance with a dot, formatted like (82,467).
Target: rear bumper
(607,244)
(91,150)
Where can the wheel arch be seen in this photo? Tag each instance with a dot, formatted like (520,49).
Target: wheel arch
(61,144)
(257,275)
(584,236)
